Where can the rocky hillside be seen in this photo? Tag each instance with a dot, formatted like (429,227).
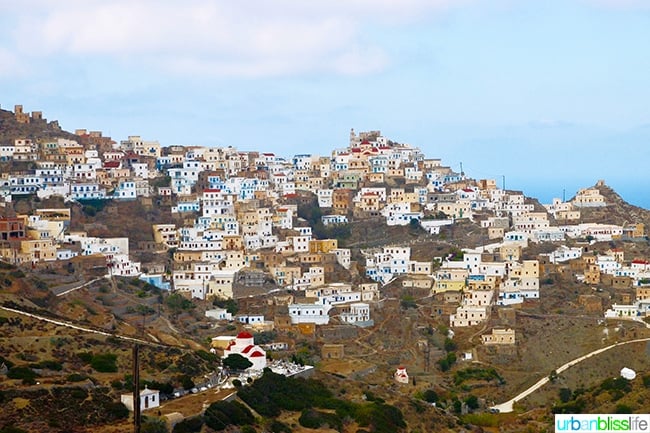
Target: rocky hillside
(10,129)
(617,211)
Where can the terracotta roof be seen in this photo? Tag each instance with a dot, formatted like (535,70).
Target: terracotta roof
(248,348)
(244,334)
(257,354)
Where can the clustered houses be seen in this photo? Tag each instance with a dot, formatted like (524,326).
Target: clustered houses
(236,221)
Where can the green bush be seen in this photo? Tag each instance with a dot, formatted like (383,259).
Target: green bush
(207,356)
(153,425)
(221,414)
(450,345)
(615,383)
(235,361)
(189,425)
(116,410)
(76,377)
(78,393)
(472,402)
(229,304)
(24,373)
(407,302)
(445,363)
(186,381)
(565,395)
(486,374)
(623,409)
(85,357)
(430,396)
(104,362)
(279,427)
(48,365)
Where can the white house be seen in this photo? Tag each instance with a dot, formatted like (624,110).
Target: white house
(309,313)
(358,314)
(149,399)
(334,219)
(218,314)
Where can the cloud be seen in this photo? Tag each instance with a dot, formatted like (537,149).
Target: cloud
(9,64)
(249,38)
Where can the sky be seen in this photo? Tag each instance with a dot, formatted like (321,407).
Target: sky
(546,96)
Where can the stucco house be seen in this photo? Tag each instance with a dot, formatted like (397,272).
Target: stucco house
(149,399)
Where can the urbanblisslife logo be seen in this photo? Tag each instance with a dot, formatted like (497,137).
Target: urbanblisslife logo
(603,423)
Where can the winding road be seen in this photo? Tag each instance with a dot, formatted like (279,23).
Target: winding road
(508,405)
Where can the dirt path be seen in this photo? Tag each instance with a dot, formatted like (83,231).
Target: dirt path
(82,328)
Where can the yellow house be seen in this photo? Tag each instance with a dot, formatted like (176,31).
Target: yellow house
(369,201)
(39,250)
(233,242)
(527,269)
(375,177)
(284,275)
(455,209)
(322,245)
(165,234)
(510,252)
(642,293)
(499,337)
(450,279)
(396,195)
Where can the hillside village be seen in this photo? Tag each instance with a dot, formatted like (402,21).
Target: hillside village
(241,224)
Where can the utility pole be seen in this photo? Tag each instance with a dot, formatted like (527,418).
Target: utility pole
(136,389)
(503,182)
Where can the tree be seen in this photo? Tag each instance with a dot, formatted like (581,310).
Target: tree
(472,402)
(450,345)
(565,395)
(430,396)
(235,361)
(177,303)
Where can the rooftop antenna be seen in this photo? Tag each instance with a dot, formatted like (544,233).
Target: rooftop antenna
(461,169)
(564,195)
(503,182)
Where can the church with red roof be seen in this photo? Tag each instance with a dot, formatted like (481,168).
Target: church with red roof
(244,345)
